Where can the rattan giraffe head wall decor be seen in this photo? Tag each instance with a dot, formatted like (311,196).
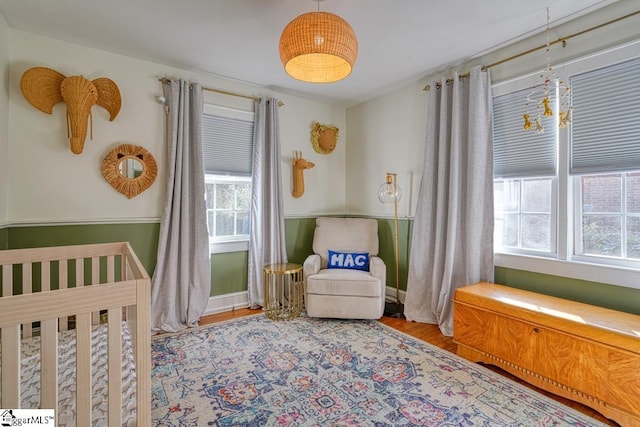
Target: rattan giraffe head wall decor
(44,88)
(299,165)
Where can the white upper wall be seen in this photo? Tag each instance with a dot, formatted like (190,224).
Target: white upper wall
(48,183)
(387,134)
(4,119)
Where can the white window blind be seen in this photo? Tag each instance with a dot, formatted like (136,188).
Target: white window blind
(227,141)
(518,152)
(605,130)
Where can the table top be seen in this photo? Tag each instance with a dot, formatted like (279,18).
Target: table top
(283,268)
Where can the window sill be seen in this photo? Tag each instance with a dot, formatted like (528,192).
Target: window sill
(612,275)
(225,247)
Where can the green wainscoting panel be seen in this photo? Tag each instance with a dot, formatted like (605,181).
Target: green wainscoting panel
(143,237)
(386,235)
(600,294)
(299,238)
(229,272)
(4,238)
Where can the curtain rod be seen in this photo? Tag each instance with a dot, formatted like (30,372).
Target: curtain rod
(224,92)
(562,40)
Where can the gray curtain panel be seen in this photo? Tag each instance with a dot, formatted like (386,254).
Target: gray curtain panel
(181,283)
(452,240)
(266,239)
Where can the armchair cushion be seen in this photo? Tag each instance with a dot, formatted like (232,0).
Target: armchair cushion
(344,282)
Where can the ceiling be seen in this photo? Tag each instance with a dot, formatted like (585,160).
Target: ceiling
(400,41)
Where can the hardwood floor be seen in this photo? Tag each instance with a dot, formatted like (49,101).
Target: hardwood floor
(432,335)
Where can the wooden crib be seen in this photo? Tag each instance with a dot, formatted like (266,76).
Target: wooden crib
(72,291)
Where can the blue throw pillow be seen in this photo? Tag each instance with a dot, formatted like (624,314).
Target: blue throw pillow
(349,260)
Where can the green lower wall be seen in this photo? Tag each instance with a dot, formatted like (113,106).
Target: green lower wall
(4,238)
(299,237)
(386,236)
(229,270)
(609,296)
(229,273)
(143,237)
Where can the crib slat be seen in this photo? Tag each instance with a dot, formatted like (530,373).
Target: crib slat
(26,278)
(95,270)
(10,367)
(115,367)
(124,268)
(111,269)
(95,279)
(111,273)
(63,278)
(79,273)
(45,276)
(49,357)
(83,369)
(7,280)
(27,328)
(143,349)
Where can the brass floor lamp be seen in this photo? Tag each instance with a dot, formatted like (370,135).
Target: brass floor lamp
(390,192)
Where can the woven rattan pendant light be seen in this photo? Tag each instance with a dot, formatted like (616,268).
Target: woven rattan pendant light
(318,47)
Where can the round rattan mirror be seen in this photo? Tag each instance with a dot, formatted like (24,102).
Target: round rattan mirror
(130,169)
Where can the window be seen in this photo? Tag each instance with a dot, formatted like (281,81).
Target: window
(524,180)
(610,216)
(228,203)
(567,202)
(605,158)
(524,214)
(227,150)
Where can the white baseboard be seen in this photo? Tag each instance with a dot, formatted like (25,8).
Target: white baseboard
(390,294)
(227,302)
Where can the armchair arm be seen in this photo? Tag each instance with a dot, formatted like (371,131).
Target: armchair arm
(311,265)
(378,269)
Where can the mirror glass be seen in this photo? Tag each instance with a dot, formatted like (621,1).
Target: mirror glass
(130,167)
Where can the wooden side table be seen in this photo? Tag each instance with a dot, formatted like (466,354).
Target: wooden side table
(282,291)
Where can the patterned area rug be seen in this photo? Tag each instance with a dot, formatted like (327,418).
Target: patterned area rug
(318,372)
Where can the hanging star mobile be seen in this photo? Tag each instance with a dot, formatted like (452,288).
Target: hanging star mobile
(543,90)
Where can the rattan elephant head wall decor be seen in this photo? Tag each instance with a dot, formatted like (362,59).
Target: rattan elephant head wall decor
(44,88)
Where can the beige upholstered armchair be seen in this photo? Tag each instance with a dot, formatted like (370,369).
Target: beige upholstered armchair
(340,282)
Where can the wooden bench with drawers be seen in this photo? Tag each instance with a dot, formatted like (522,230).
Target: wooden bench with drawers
(582,352)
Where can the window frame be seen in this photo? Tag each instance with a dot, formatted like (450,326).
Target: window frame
(237,243)
(565,262)
(623,214)
(553,214)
